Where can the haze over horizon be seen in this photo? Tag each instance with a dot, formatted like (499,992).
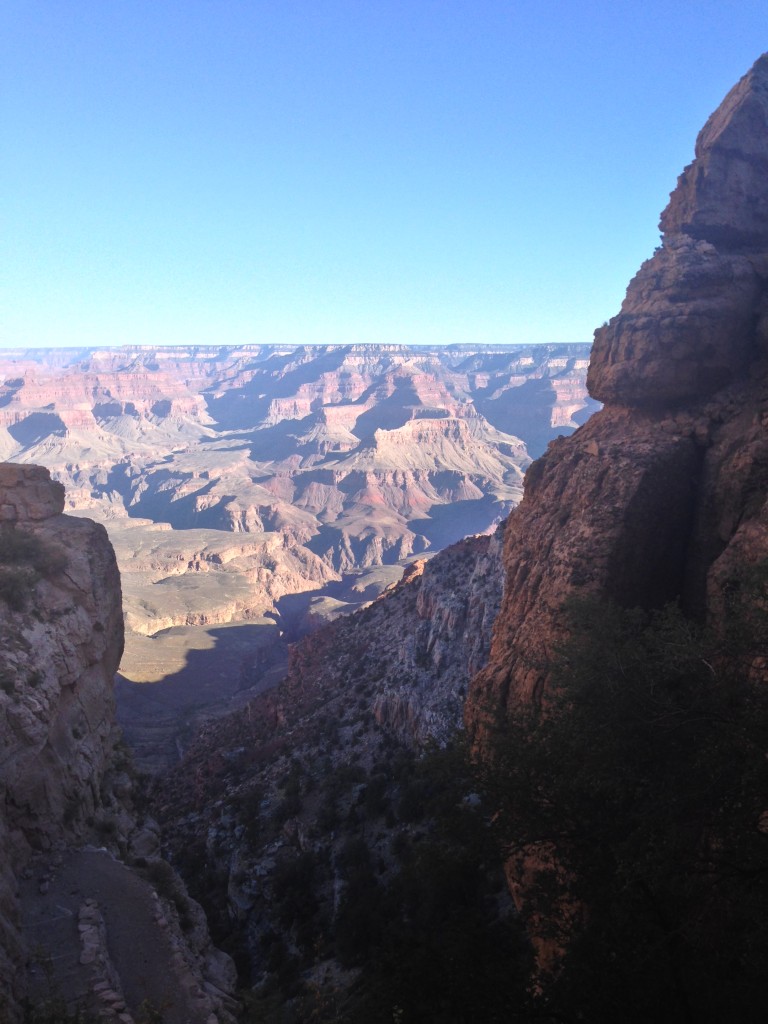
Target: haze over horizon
(337,173)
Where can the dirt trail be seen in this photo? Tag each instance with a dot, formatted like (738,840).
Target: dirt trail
(141,970)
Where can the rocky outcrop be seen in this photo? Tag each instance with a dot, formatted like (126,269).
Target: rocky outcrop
(662,494)
(62,631)
(611,514)
(694,318)
(721,196)
(687,327)
(61,626)
(64,780)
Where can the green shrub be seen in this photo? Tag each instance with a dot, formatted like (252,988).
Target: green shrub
(24,559)
(16,586)
(17,547)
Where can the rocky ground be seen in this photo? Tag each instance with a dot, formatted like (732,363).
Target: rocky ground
(98,936)
(266,795)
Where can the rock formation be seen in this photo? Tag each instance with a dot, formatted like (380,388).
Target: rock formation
(61,623)
(63,778)
(366,454)
(62,642)
(661,495)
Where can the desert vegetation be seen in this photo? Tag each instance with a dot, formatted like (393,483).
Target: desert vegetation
(646,775)
(25,559)
(370,878)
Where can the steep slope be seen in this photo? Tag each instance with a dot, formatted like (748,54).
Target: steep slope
(326,759)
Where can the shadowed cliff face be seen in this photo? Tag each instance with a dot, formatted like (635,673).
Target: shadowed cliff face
(660,497)
(62,633)
(662,494)
(76,925)
(61,637)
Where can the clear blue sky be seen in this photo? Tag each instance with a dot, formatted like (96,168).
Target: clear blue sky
(416,171)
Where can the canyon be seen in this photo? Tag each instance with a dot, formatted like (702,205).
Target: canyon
(252,493)
(658,502)
(343,829)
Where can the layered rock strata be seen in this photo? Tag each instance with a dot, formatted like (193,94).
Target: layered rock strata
(364,454)
(662,494)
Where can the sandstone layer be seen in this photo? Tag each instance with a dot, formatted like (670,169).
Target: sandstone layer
(662,494)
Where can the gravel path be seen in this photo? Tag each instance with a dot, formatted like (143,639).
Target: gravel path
(61,900)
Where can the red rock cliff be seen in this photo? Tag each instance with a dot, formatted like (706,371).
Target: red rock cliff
(662,494)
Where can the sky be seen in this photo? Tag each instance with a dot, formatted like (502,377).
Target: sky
(344,171)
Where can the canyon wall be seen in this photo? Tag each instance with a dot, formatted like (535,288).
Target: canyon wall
(362,454)
(67,790)
(661,497)
(62,637)
(662,494)
(232,477)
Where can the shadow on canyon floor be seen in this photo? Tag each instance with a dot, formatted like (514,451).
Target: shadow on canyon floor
(219,669)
